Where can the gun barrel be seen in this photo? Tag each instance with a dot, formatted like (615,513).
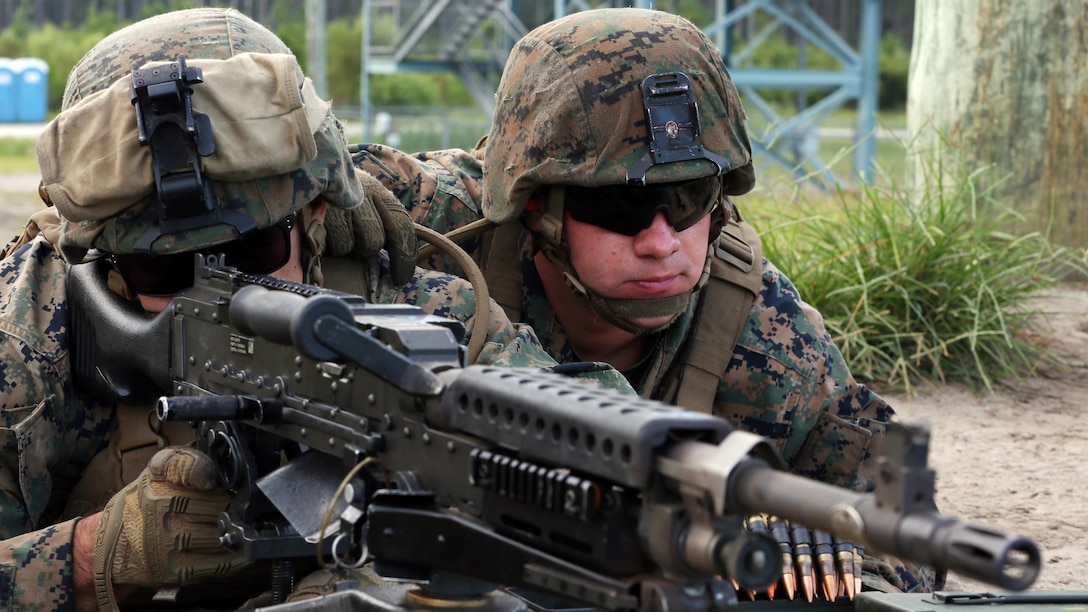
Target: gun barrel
(1007,560)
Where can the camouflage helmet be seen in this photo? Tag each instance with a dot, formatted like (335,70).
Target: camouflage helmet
(570,109)
(198,33)
(101,178)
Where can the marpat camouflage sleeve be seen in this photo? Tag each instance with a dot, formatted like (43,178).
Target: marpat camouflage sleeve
(788,382)
(47,433)
(36,570)
(440,189)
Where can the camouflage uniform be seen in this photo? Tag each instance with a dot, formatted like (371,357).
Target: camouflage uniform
(786,380)
(50,430)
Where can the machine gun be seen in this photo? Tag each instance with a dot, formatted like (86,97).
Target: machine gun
(352,430)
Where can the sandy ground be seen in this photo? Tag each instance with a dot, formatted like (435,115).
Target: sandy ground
(1016,459)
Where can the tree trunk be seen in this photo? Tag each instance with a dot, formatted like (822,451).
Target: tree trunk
(1006,83)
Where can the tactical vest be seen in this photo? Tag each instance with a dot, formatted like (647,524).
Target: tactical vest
(736,277)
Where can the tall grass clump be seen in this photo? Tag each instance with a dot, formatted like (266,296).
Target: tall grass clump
(919,285)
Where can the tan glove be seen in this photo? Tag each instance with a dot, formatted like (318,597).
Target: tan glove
(163,528)
(381,221)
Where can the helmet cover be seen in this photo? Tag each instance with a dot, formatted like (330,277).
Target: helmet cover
(243,184)
(569,108)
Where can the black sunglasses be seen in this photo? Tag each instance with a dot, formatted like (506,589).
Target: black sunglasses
(628,209)
(260,252)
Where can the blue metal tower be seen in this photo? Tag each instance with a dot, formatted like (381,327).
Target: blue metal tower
(473,37)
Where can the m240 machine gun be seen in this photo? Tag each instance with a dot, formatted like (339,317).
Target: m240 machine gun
(352,431)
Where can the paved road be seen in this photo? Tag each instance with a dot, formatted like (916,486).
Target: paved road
(21,130)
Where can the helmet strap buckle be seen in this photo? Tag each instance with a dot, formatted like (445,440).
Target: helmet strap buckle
(551,220)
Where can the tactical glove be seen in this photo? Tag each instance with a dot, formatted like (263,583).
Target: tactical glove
(381,221)
(162,529)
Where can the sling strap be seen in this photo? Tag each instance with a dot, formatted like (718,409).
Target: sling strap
(736,276)
(501,265)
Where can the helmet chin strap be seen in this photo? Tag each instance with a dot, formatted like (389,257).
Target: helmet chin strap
(620,312)
(314,236)
(617,311)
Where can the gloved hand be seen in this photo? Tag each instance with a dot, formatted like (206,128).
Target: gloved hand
(380,222)
(163,528)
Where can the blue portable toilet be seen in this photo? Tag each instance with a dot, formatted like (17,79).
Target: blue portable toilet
(31,89)
(7,91)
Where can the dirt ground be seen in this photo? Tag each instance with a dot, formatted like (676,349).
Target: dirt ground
(1016,459)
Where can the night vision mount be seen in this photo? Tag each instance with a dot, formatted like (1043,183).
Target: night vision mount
(673,116)
(178,137)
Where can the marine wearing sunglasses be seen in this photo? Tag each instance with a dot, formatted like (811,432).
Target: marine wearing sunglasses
(262,251)
(633,243)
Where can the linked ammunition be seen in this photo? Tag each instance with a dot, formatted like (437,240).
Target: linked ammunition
(825,562)
(757,523)
(802,558)
(859,558)
(844,558)
(781,533)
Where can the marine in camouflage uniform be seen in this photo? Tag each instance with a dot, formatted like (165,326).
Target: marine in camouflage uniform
(569,112)
(51,431)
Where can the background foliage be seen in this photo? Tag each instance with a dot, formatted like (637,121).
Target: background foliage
(62,43)
(916,285)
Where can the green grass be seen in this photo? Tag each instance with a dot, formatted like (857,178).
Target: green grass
(914,287)
(17,155)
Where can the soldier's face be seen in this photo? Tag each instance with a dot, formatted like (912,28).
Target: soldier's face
(656,262)
(290,271)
